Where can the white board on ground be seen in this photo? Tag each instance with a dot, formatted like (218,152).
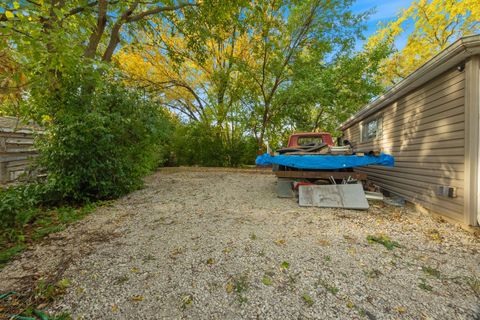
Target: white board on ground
(348,196)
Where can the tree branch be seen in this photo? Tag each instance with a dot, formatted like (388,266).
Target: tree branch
(115,34)
(74,11)
(158,10)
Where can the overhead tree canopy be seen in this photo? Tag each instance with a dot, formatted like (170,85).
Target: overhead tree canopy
(243,69)
(95,28)
(436,24)
(257,54)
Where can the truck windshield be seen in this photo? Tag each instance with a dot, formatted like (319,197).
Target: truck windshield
(303,141)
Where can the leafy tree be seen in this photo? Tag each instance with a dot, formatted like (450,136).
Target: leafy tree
(323,95)
(281,33)
(201,83)
(95,27)
(248,58)
(12,80)
(51,38)
(436,24)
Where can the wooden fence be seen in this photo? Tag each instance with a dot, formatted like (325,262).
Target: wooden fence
(16,148)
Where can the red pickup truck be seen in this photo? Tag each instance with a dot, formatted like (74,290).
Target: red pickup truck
(307,142)
(310,139)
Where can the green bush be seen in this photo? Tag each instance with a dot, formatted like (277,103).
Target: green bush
(199,144)
(17,204)
(100,144)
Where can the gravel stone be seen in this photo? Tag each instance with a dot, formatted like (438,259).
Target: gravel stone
(198,244)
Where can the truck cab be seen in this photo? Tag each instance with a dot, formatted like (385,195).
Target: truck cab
(310,139)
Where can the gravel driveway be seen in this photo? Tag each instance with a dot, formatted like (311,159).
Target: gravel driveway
(221,245)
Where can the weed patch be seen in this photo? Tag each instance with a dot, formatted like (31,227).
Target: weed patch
(239,285)
(383,240)
(373,274)
(267,280)
(424,285)
(431,271)
(474,284)
(330,288)
(31,225)
(7,254)
(307,299)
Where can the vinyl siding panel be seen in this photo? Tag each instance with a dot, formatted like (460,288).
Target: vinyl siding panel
(425,132)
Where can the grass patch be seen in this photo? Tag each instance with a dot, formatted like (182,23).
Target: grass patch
(424,285)
(474,284)
(285,265)
(330,288)
(383,240)
(121,280)
(267,280)
(373,274)
(33,225)
(45,231)
(431,271)
(47,291)
(7,254)
(307,299)
(239,285)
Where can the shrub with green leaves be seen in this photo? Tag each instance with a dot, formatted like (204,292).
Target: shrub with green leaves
(17,204)
(101,140)
(200,144)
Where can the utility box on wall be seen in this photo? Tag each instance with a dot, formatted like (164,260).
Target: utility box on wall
(446,191)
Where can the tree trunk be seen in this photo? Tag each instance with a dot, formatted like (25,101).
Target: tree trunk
(97,34)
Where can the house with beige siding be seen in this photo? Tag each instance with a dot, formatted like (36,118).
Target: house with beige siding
(430,123)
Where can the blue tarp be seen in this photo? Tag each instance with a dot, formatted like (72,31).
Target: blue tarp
(326,162)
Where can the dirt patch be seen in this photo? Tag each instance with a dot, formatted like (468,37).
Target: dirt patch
(220,245)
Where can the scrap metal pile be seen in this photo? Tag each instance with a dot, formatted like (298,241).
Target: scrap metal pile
(324,149)
(321,174)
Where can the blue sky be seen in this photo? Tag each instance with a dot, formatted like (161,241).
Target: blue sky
(385,10)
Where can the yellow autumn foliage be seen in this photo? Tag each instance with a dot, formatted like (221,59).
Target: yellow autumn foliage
(436,24)
(182,81)
(11,79)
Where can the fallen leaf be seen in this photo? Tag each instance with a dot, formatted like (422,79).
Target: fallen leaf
(229,287)
(280,242)
(324,242)
(114,308)
(137,298)
(400,309)
(434,234)
(135,270)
